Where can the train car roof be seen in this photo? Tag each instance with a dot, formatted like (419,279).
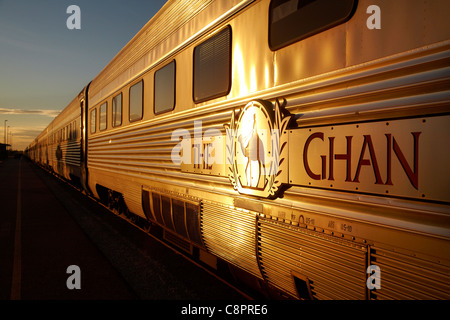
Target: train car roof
(174,24)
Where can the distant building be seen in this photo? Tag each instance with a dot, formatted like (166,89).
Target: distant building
(3,153)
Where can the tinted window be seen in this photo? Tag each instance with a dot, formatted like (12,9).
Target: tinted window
(212,67)
(165,88)
(136,93)
(93,120)
(103,116)
(117,110)
(293,20)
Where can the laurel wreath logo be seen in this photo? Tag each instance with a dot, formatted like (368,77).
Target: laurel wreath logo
(280,152)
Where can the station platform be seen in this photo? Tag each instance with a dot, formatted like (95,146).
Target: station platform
(39,240)
(45,228)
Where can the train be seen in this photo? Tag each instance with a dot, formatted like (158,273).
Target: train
(302,145)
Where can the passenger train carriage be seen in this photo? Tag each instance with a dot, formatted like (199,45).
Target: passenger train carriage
(303,143)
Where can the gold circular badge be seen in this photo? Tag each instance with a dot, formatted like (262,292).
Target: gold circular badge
(253,149)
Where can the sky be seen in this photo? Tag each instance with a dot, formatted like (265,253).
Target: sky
(44,64)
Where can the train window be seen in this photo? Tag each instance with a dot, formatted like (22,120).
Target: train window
(136,99)
(93,120)
(117,110)
(212,67)
(103,117)
(164,89)
(293,20)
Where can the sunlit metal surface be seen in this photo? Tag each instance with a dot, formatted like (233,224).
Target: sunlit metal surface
(355,197)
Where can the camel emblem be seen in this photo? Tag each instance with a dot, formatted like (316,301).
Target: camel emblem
(254,153)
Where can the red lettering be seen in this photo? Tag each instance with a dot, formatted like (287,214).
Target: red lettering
(388,159)
(331,139)
(347,157)
(365,162)
(324,166)
(413,175)
(410,168)
(305,155)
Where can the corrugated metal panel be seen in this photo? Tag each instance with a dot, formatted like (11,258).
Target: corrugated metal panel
(132,151)
(71,153)
(335,268)
(229,233)
(145,149)
(173,211)
(407,277)
(414,82)
(133,198)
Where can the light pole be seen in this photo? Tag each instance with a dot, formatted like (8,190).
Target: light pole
(4,138)
(9,137)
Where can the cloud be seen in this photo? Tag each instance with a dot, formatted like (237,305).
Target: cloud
(26,133)
(40,112)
